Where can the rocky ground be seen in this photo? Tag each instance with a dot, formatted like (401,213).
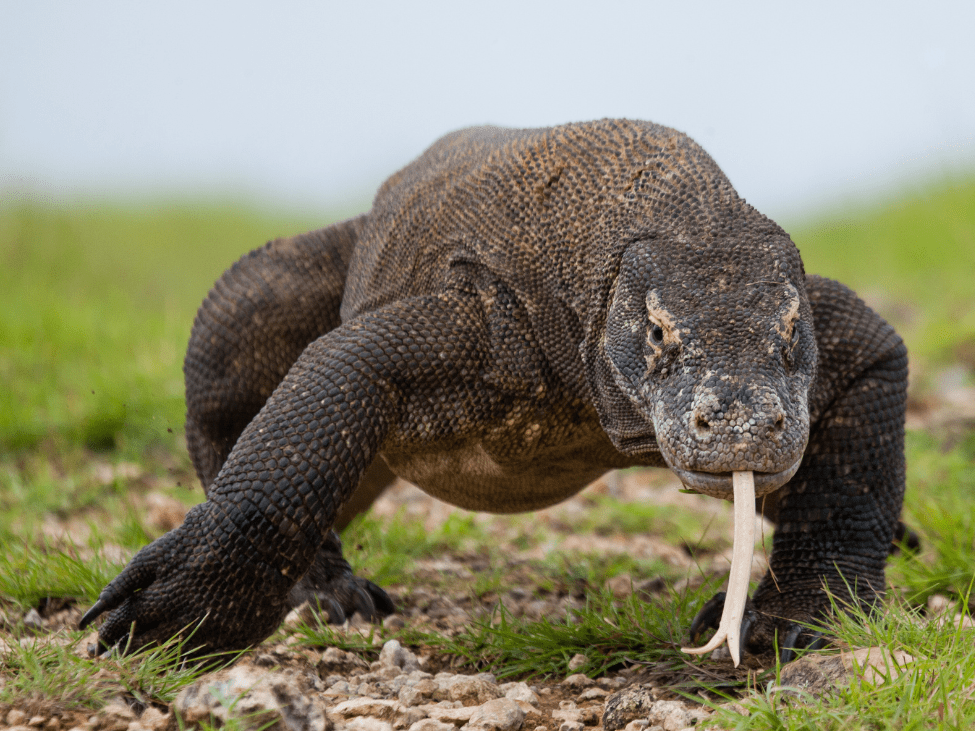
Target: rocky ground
(287,683)
(300,687)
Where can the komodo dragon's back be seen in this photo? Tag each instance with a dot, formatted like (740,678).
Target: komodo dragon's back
(522,310)
(533,204)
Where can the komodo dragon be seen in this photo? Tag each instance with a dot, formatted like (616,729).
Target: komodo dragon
(521,311)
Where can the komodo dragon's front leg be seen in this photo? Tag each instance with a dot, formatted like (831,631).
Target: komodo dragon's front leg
(250,330)
(233,563)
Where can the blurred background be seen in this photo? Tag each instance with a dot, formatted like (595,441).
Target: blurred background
(145,146)
(310,105)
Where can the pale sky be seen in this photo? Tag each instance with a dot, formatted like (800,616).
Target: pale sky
(312,104)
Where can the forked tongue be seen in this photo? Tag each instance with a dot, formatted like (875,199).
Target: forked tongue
(741,566)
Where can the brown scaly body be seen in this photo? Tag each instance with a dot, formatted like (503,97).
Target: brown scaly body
(522,310)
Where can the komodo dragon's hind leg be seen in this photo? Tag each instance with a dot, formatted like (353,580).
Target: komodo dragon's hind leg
(252,327)
(837,517)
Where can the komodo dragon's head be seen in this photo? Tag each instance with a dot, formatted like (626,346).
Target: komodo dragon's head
(708,354)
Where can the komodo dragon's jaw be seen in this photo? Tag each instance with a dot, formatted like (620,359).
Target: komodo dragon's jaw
(715,395)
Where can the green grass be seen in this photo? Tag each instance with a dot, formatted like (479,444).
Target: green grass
(31,571)
(935,690)
(96,305)
(913,258)
(939,505)
(385,551)
(608,632)
(55,673)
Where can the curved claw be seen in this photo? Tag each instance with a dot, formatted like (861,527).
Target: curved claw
(381,601)
(139,574)
(819,641)
(361,595)
(92,614)
(787,648)
(336,615)
(800,638)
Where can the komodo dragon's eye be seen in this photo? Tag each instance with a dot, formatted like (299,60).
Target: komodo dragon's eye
(656,334)
(795,335)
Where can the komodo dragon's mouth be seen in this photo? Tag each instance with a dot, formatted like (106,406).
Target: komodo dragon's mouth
(719,484)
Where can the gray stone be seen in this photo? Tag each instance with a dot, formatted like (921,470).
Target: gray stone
(417,693)
(675,715)
(33,620)
(255,696)
(153,718)
(499,714)
(817,674)
(395,655)
(519,692)
(116,716)
(578,660)
(367,723)
(632,704)
(382,709)
(431,724)
(449,713)
(469,690)
(579,680)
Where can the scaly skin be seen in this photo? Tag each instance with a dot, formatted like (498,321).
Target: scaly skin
(520,311)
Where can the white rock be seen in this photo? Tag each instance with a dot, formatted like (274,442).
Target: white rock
(414,694)
(283,698)
(153,718)
(578,660)
(568,713)
(446,713)
(467,689)
(431,724)
(381,709)
(579,680)
(500,714)
(367,723)
(519,692)
(116,715)
(16,717)
(675,715)
(394,654)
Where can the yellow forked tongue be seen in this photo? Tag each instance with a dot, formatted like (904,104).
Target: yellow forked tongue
(741,565)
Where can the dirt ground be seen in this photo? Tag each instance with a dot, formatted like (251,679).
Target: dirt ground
(420,688)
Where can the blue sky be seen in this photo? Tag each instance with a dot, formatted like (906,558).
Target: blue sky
(312,104)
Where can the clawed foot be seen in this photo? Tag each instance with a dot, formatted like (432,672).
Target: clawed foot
(219,594)
(762,633)
(200,581)
(331,585)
